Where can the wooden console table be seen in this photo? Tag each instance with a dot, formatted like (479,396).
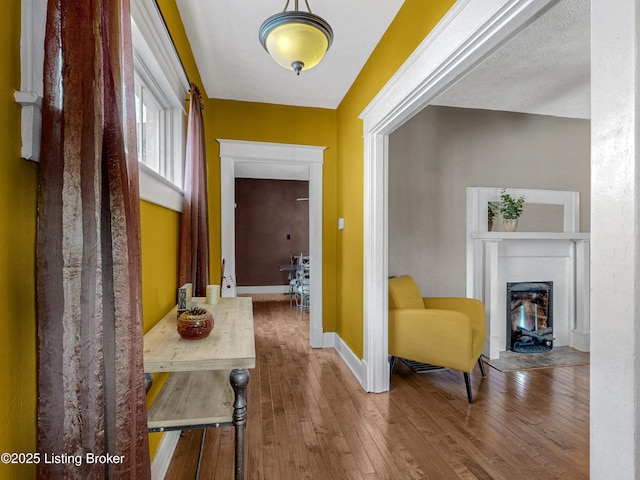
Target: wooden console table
(209,377)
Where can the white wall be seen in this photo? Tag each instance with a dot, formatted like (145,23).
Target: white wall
(615,265)
(441,151)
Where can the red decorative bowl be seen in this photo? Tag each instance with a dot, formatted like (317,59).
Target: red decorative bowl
(195,323)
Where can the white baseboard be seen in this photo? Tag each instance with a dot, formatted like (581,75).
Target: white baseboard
(162,458)
(357,366)
(263,289)
(581,341)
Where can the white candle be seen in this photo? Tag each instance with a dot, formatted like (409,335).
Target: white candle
(213,294)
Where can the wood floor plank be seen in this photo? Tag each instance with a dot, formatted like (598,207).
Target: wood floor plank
(308,418)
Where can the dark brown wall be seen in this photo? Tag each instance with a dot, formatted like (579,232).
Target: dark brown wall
(267,211)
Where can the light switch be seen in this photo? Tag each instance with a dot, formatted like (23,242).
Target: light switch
(341,224)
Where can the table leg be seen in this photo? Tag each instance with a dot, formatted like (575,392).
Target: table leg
(239,379)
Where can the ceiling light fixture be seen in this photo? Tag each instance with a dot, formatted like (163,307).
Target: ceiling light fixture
(295,39)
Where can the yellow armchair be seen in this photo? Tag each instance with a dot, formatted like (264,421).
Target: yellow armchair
(447,332)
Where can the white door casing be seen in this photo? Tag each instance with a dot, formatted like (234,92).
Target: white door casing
(282,162)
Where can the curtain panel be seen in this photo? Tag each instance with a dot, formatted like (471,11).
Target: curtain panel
(91,397)
(194,223)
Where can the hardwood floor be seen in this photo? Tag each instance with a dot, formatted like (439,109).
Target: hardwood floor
(308,418)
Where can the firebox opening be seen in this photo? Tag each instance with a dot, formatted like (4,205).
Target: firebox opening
(530,317)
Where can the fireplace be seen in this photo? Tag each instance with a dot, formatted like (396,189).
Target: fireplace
(530,316)
(562,257)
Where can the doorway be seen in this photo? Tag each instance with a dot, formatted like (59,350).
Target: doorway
(276,161)
(465,37)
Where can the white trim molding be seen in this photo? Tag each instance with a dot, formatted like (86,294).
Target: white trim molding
(357,366)
(34,17)
(263,289)
(152,40)
(471,31)
(156,189)
(276,161)
(159,69)
(164,454)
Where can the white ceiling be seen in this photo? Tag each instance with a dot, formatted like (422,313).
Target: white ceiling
(234,66)
(543,70)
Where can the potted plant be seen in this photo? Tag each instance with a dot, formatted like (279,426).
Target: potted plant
(510,209)
(492,211)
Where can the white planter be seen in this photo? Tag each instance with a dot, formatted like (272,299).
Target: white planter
(510,224)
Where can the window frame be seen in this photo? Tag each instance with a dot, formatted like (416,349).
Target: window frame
(160,60)
(158,66)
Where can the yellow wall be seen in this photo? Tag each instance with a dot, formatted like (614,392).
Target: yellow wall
(413,22)
(159,231)
(262,122)
(18,193)
(159,237)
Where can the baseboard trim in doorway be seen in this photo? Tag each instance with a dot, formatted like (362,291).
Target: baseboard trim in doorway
(355,364)
(263,289)
(164,454)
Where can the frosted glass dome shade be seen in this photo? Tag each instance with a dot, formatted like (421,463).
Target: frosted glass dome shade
(296,40)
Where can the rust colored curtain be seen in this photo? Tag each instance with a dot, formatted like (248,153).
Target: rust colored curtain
(91,397)
(194,225)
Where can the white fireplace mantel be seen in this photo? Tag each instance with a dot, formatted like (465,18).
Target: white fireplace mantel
(497,258)
(499,236)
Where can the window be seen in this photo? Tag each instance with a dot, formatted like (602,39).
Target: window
(160,91)
(160,143)
(148,126)
(161,87)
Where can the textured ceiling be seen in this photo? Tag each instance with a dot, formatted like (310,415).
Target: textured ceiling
(233,65)
(543,70)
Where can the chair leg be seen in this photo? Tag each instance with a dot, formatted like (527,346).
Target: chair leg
(481,363)
(467,382)
(392,364)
